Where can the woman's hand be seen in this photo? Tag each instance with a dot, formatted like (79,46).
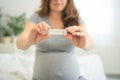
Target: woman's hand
(38,33)
(79,37)
(32,34)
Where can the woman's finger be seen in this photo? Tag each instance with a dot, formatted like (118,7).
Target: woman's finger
(37,28)
(41,26)
(46,26)
(80,33)
(75,29)
(68,30)
(69,36)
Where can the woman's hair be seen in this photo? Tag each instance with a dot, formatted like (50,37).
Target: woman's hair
(70,15)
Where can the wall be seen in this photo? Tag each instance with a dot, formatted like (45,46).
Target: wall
(16,7)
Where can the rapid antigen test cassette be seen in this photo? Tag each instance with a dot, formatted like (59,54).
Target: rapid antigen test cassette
(57,32)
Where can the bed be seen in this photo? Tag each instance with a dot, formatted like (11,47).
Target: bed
(19,66)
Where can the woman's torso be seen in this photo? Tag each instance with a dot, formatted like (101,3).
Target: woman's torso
(55,57)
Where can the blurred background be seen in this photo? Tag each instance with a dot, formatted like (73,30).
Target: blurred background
(102,21)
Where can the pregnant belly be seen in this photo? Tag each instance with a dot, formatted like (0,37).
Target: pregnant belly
(56,66)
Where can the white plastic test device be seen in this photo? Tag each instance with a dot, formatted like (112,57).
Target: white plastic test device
(57,32)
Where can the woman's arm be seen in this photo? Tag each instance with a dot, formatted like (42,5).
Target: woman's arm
(86,41)
(80,37)
(22,40)
(32,34)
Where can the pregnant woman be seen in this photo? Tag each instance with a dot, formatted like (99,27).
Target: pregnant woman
(55,57)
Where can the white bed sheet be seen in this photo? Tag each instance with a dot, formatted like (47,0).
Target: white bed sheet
(20,66)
